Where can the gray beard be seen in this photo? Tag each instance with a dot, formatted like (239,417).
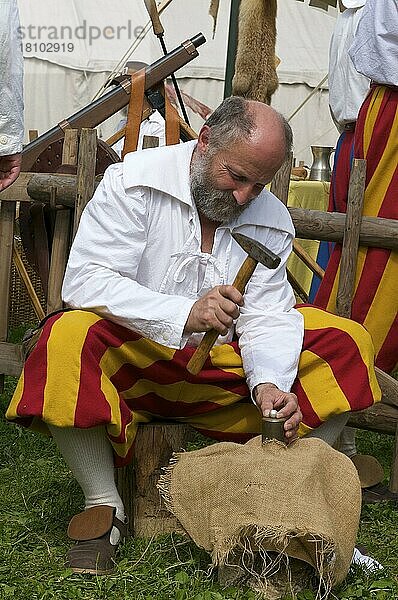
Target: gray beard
(217,205)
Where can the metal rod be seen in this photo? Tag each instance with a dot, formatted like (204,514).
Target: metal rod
(314,91)
(175,84)
(232,46)
(158,30)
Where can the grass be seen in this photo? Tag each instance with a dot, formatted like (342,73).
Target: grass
(38,495)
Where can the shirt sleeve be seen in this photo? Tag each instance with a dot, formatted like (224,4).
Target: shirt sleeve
(269,328)
(11,80)
(104,260)
(374,51)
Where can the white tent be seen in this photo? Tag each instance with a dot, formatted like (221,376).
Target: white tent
(71,47)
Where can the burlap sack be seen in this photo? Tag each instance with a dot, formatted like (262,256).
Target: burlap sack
(301,502)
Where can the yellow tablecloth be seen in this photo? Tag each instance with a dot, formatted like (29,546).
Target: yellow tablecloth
(311,195)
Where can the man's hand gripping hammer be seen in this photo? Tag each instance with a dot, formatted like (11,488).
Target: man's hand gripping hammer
(256,253)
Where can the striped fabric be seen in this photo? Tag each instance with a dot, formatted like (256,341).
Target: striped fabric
(375,301)
(341,172)
(87,371)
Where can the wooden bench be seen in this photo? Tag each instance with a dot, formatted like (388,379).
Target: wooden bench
(157,441)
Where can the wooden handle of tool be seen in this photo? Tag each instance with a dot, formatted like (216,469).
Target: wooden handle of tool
(154,16)
(198,358)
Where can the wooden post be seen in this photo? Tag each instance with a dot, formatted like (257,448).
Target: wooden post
(69,148)
(349,252)
(281,181)
(7,221)
(85,172)
(60,244)
(59,257)
(153,448)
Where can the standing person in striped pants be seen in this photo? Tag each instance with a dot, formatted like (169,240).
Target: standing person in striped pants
(374,55)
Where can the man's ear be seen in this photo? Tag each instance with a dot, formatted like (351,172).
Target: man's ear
(203,138)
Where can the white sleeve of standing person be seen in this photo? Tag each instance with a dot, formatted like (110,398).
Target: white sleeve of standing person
(347,87)
(374,51)
(11,80)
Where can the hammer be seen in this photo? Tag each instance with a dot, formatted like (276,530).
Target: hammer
(257,253)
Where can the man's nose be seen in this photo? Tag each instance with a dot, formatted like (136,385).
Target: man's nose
(244,192)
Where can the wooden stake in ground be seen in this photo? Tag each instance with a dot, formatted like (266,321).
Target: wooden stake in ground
(153,448)
(7,220)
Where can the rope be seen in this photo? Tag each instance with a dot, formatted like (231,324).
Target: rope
(314,91)
(131,49)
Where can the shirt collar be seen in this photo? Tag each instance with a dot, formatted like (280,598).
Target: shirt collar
(152,167)
(354,3)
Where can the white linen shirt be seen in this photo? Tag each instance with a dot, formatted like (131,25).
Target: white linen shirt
(347,87)
(374,51)
(137,260)
(11,80)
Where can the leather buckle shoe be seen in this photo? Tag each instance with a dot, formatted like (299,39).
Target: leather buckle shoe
(93,552)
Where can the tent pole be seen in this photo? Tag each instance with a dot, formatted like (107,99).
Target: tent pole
(232,46)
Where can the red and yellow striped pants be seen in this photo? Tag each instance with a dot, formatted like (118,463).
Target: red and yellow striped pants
(375,301)
(87,371)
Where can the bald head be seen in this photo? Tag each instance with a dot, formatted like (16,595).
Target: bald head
(238,119)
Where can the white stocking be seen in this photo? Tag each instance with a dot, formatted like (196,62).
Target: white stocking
(88,453)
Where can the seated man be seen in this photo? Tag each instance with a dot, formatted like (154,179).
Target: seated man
(150,270)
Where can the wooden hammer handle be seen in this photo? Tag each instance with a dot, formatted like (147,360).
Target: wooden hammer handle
(198,358)
(154,16)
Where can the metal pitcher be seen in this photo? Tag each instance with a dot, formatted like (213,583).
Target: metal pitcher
(320,169)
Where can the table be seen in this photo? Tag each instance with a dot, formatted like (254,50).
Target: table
(310,195)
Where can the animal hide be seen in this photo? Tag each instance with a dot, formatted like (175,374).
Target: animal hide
(255,65)
(213,12)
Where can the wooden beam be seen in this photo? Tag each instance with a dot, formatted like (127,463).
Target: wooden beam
(11,359)
(319,225)
(17,191)
(389,387)
(380,417)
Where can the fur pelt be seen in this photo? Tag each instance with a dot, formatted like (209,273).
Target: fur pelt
(255,65)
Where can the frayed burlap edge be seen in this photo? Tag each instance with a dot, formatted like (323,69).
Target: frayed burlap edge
(271,545)
(164,483)
(278,540)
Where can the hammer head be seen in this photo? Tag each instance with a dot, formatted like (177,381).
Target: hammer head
(257,251)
